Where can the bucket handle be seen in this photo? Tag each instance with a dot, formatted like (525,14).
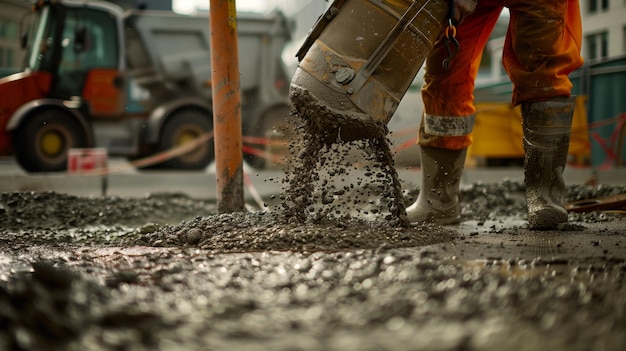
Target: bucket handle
(386,45)
(318,27)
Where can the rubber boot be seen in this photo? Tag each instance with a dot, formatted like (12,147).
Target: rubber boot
(438,199)
(547,126)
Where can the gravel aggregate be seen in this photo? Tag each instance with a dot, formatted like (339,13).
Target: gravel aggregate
(331,265)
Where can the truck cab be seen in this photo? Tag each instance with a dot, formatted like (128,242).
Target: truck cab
(83,55)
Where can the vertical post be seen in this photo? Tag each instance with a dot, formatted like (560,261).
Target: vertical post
(226,105)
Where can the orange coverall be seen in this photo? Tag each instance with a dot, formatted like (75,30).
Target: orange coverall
(541,48)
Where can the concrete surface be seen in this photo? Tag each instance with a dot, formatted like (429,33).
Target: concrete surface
(202,184)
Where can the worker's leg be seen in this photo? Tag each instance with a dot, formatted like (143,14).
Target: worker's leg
(449,117)
(546,126)
(542,48)
(438,199)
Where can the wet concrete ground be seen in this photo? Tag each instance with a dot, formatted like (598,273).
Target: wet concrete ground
(330,265)
(168,273)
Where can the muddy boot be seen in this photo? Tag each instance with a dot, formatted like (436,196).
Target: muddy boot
(547,127)
(438,200)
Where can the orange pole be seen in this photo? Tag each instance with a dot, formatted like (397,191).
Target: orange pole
(226,105)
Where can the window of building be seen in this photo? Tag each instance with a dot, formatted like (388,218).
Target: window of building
(594,6)
(6,57)
(624,36)
(8,29)
(8,60)
(597,46)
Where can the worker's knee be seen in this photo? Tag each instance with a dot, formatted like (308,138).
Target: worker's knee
(538,41)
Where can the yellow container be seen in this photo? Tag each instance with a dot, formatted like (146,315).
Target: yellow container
(498,132)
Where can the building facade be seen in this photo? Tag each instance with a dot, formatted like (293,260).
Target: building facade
(11,54)
(604,29)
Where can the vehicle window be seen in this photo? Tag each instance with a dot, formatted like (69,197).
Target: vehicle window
(41,36)
(89,40)
(99,48)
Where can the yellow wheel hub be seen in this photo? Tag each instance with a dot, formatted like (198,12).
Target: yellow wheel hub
(186,138)
(52,143)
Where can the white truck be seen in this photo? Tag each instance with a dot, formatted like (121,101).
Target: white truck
(135,82)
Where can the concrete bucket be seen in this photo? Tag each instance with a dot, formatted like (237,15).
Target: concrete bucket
(358,62)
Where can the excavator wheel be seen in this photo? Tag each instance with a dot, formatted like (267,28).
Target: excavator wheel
(43,140)
(273,130)
(182,127)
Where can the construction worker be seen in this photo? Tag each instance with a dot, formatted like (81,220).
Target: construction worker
(542,47)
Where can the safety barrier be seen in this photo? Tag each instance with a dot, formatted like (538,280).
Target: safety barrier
(614,144)
(257,146)
(153,159)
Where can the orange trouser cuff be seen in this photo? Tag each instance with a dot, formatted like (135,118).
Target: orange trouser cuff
(455,142)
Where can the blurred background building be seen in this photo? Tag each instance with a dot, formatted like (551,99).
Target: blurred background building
(604,26)
(11,55)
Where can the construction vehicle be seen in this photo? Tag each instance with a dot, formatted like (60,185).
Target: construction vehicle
(134,82)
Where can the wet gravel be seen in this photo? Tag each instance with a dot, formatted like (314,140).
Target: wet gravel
(167,272)
(45,210)
(331,265)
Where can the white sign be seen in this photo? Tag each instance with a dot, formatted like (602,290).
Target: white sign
(85,160)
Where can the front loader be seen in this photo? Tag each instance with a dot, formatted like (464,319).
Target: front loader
(134,82)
